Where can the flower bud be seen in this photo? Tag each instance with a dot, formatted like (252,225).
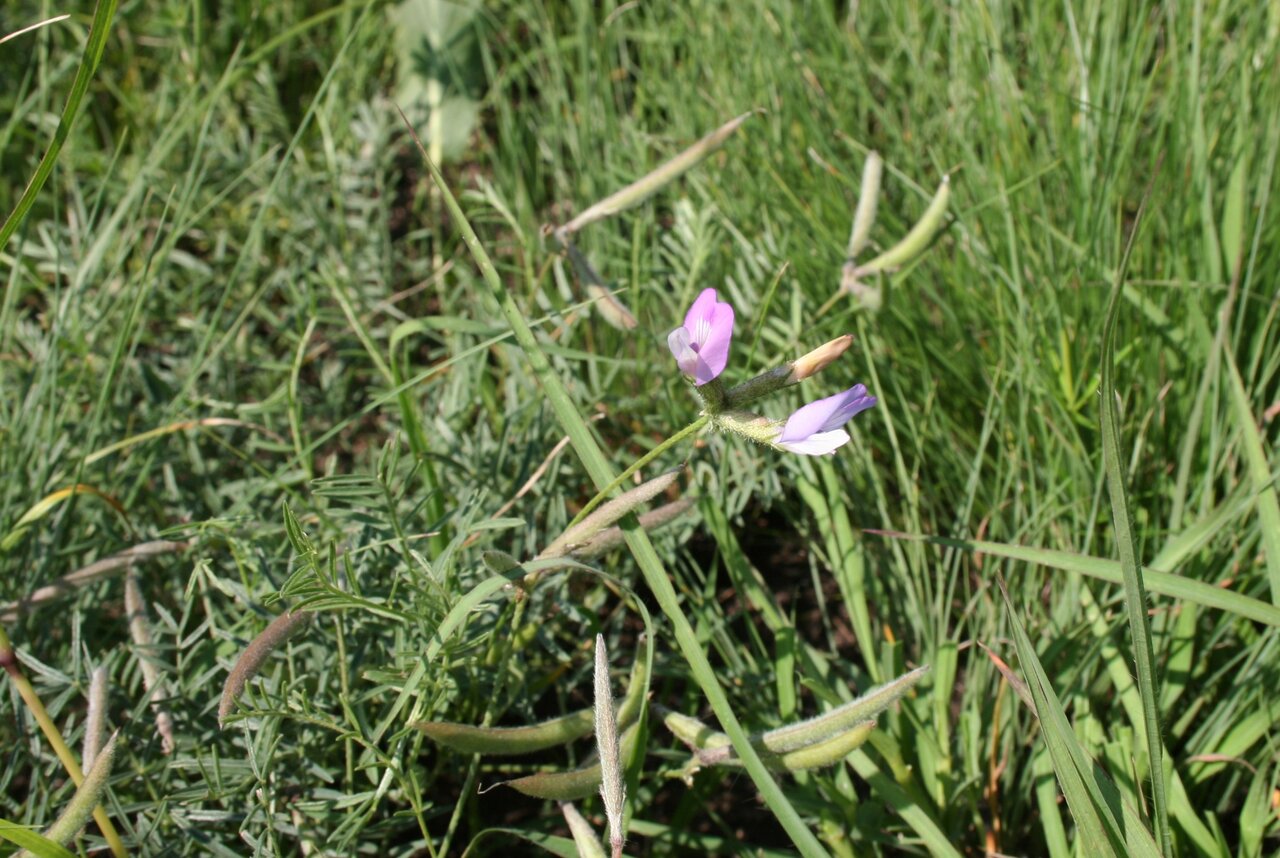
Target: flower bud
(786,375)
(818,359)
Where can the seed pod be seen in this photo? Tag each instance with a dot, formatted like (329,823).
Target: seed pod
(693,732)
(612,537)
(825,753)
(572,785)
(514,741)
(609,306)
(841,718)
(250,661)
(609,512)
(79,810)
(868,195)
(613,791)
(915,241)
(655,180)
(96,718)
(508,741)
(714,748)
(86,575)
(135,607)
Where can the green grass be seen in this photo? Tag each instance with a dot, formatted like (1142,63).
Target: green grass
(237,294)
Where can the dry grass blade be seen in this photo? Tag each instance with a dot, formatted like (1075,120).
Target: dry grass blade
(36,26)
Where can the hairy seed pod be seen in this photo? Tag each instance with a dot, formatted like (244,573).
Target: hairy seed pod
(606,303)
(841,718)
(250,661)
(613,790)
(694,733)
(613,537)
(714,748)
(87,796)
(508,741)
(609,512)
(572,785)
(86,575)
(96,719)
(655,180)
(135,607)
(825,753)
(515,741)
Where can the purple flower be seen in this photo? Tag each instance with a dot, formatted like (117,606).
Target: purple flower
(701,347)
(814,429)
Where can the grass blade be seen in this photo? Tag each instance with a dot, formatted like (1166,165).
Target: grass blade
(1135,594)
(1092,797)
(36,844)
(1163,583)
(102,16)
(1259,475)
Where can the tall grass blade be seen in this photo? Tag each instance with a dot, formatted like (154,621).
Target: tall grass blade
(1259,474)
(36,844)
(1135,594)
(1163,583)
(1105,826)
(103,13)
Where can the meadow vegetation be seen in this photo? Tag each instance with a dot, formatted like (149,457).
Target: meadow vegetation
(250,365)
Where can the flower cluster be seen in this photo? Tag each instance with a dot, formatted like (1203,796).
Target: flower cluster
(701,349)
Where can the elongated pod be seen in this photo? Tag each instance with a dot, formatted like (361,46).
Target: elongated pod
(250,661)
(915,241)
(572,785)
(514,741)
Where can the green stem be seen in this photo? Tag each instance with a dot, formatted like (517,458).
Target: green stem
(9,661)
(655,576)
(827,305)
(637,465)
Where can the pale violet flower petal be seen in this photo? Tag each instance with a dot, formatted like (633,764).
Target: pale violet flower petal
(681,345)
(818,444)
(855,401)
(703,306)
(701,346)
(814,429)
(811,418)
(823,415)
(714,350)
